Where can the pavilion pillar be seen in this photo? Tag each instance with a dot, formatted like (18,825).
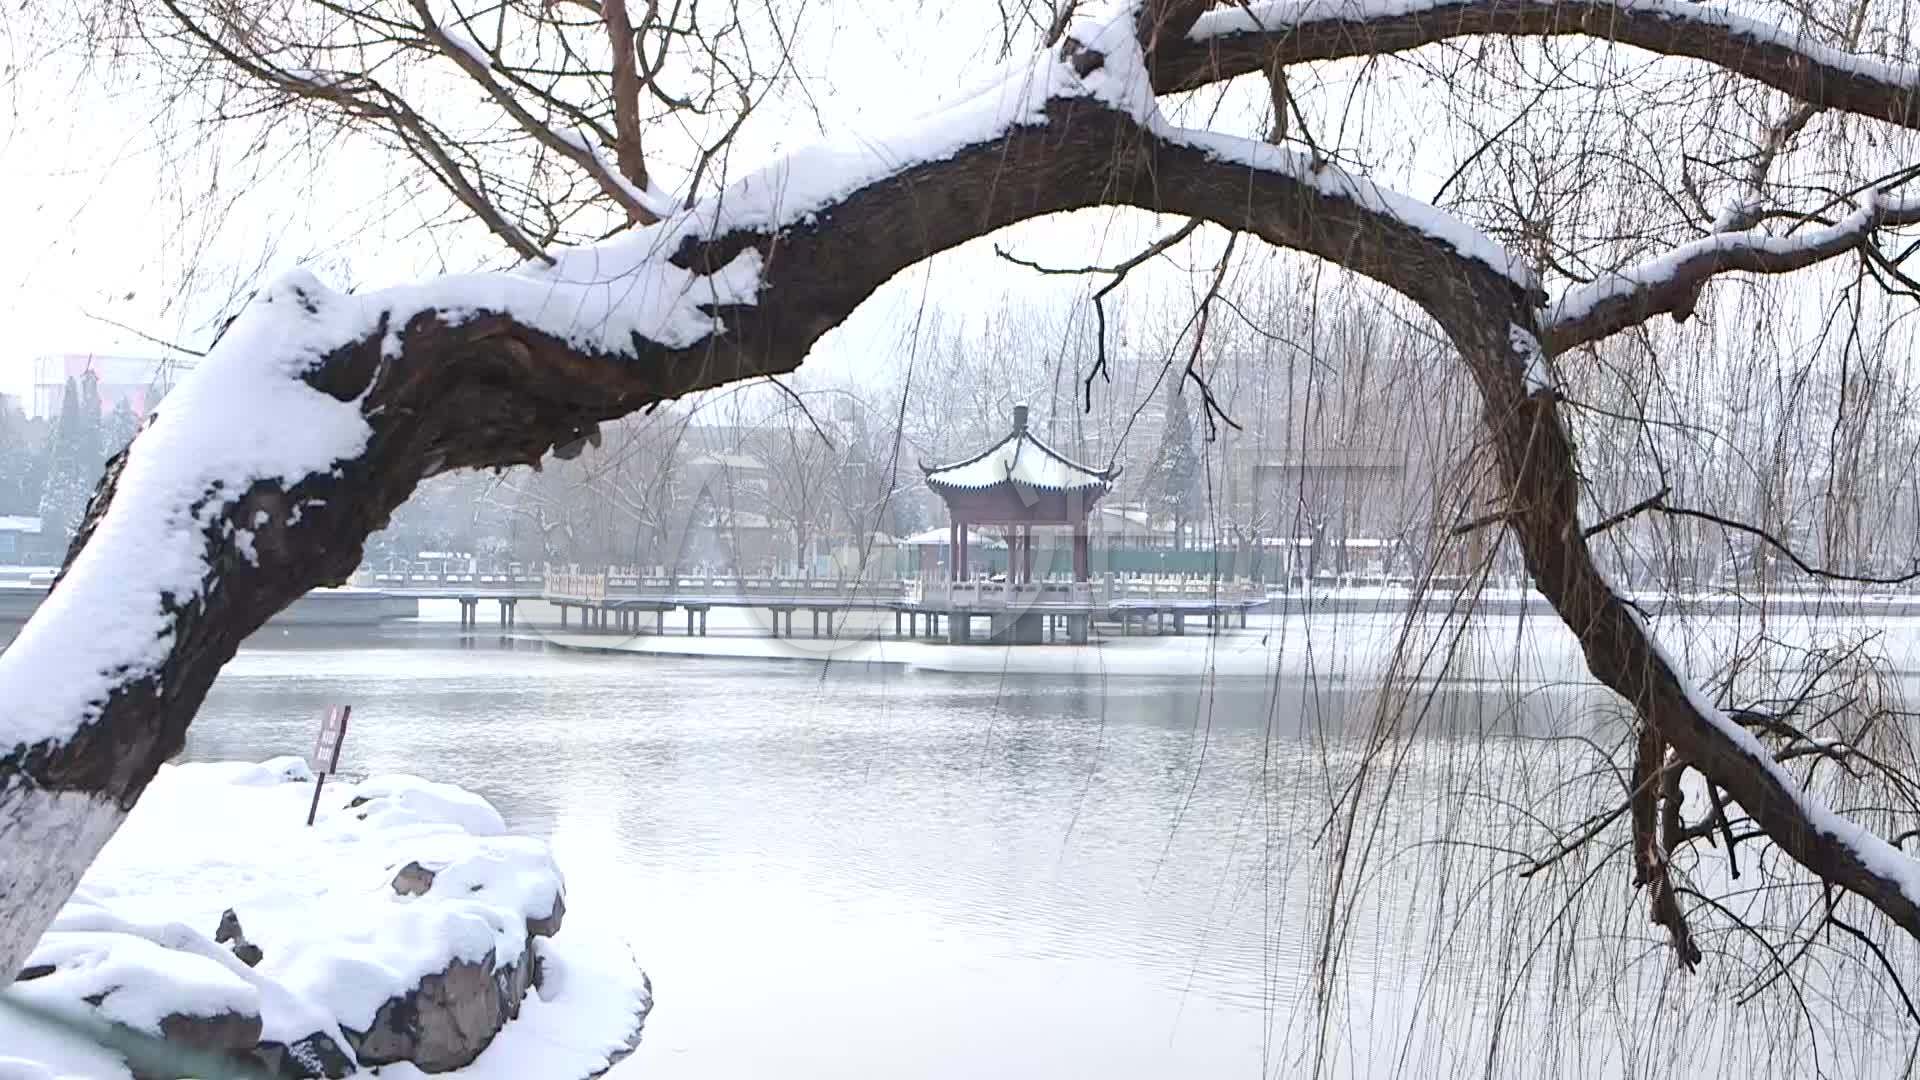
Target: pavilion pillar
(953,549)
(960,552)
(1026,552)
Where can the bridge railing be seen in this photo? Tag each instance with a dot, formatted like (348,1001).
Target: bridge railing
(1040,595)
(574,585)
(597,586)
(825,589)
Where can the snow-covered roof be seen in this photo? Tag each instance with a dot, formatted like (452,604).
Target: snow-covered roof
(940,538)
(1023,460)
(740,462)
(19,523)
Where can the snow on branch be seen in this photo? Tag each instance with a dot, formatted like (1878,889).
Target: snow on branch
(247,415)
(1870,853)
(112,619)
(1123,81)
(1239,40)
(1671,283)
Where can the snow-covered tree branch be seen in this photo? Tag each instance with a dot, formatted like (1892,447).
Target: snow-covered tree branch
(319,411)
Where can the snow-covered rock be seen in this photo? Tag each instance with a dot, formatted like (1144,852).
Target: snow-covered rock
(399,931)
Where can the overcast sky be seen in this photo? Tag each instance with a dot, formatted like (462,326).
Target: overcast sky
(98,230)
(100,237)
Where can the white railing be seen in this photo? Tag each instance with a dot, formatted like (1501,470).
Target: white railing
(999,595)
(596,587)
(574,585)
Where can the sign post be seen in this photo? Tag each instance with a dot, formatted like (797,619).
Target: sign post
(326,751)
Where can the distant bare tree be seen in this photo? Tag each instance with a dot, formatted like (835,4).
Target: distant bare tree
(1591,193)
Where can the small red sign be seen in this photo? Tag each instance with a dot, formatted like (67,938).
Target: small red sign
(326,746)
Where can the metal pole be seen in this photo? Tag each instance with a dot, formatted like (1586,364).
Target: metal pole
(313,809)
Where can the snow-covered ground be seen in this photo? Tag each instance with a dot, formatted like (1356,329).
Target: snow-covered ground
(339,939)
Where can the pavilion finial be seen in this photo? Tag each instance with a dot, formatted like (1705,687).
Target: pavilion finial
(1019,418)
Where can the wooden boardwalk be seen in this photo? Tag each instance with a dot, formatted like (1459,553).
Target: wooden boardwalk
(1027,613)
(617,602)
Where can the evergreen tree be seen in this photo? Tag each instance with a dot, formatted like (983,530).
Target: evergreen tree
(89,438)
(121,426)
(1173,487)
(16,463)
(69,473)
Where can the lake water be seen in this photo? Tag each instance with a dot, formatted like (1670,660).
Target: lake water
(851,872)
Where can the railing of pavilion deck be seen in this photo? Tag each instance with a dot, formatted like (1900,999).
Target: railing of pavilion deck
(1099,593)
(825,590)
(587,588)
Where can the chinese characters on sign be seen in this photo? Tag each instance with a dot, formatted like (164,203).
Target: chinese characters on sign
(325,757)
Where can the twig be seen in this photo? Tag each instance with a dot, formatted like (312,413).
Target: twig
(1497,517)
(1631,512)
(1833,919)
(1569,847)
(1119,274)
(1210,406)
(143,335)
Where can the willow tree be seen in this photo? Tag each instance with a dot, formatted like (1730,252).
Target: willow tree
(318,412)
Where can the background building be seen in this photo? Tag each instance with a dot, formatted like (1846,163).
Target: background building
(141,380)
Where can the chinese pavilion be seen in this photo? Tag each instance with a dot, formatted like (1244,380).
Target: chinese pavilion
(1017,483)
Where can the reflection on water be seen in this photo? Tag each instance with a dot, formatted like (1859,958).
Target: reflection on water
(838,872)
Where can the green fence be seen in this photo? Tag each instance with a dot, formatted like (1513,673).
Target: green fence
(1230,564)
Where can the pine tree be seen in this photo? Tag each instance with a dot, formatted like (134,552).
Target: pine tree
(69,474)
(89,439)
(1174,485)
(16,463)
(121,426)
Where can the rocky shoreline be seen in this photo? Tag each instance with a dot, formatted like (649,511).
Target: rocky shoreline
(406,927)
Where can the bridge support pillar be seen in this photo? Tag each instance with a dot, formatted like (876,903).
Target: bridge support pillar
(689,622)
(660,620)
(1078,627)
(563,616)
(1018,628)
(959,628)
(1180,623)
(703,622)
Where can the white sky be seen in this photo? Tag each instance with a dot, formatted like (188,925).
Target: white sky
(96,229)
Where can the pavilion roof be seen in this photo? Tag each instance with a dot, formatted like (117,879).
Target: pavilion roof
(1022,460)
